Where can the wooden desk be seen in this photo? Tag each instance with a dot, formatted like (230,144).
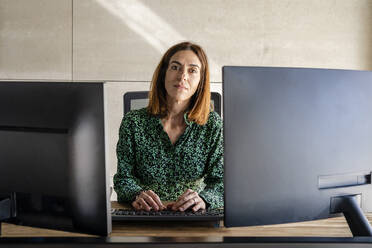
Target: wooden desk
(334,227)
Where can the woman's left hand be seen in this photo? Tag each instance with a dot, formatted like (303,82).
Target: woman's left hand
(189,199)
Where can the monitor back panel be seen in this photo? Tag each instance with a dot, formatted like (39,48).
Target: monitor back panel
(52,146)
(294,138)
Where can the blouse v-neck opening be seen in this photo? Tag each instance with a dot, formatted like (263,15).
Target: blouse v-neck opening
(181,137)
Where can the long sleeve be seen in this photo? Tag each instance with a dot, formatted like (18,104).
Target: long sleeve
(125,182)
(213,193)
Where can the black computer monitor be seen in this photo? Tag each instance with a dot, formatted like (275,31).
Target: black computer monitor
(298,145)
(140,99)
(52,156)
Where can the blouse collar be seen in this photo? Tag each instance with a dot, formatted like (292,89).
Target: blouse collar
(185,117)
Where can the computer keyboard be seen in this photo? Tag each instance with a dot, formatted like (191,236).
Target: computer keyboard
(167,215)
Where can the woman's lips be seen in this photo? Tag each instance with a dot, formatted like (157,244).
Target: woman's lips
(179,86)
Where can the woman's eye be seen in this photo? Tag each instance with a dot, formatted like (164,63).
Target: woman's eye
(174,67)
(193,70)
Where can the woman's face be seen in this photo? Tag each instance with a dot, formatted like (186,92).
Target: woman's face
(183,75)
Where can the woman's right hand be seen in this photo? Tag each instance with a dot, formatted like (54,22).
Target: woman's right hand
(148,200)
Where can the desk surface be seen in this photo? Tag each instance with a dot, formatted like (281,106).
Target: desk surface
(333,227)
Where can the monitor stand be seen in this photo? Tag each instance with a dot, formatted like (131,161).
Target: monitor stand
(7,208)
(4,210)
(350,207)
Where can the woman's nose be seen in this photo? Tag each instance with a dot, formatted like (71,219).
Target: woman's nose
(183,74)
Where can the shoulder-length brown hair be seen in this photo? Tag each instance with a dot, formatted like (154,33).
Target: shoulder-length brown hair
(200,105)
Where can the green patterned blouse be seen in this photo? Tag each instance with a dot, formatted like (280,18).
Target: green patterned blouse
(148,160)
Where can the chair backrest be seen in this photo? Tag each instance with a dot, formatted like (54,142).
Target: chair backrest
(139,99)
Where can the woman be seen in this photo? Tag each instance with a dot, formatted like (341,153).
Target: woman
(172,150)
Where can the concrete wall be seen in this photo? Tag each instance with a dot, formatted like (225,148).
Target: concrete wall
(35,39)
(121,41)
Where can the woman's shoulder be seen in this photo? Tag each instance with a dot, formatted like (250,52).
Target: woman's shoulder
(214,120)
(136,116)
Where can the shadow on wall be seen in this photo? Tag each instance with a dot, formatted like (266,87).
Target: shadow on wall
(141,20)
(147,24)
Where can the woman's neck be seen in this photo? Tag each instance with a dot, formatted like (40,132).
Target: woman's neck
(176,111)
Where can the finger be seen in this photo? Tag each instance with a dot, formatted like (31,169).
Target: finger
(150,201)
(199,206)
(183,200)
(193,195)
(170,205)
(187,192)
(135,205)
(156,198)
(188,204)
(143,204)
